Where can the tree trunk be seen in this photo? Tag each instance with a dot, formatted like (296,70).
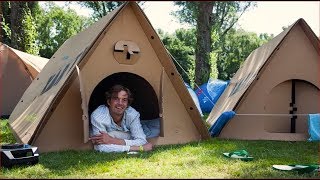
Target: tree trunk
(203,49)
(5,17)
(17,30)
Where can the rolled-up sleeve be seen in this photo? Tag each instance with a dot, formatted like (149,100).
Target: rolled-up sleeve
(111,148)
(137,134)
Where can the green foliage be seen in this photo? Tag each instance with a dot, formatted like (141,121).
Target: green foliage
(18,27)
(233,50)
(30,33)
(6,135)
(213,66)
(181,47)
(224,15)
(55,26)
(5,31)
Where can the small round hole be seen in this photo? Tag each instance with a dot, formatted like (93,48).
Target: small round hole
(172,73)
(152,37)
(191,108)
(21,100)
(37,78)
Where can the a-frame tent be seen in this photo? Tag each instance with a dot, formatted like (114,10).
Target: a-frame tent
(275,89)
(122,47)
(18,69)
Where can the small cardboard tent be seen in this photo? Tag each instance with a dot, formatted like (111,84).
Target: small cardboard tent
(122,47)
(275,89)
(18,69)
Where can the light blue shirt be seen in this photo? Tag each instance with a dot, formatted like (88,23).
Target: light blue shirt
(101,120)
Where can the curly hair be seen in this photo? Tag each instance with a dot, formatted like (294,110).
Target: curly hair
(115,89)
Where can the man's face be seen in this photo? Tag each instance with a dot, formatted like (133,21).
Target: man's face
(118,103)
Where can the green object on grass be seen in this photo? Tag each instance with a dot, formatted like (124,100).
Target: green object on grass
(297,167)
(240,154)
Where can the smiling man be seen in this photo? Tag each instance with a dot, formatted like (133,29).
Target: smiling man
(116,126)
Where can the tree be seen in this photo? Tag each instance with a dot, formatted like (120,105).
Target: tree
(235,48)
(5,31)
(18,22)
(218,17)
(181,46)
(56,26)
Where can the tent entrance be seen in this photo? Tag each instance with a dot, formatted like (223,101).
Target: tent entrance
(291,97)
(145,99)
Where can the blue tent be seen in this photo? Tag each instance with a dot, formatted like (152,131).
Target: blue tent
(209,93)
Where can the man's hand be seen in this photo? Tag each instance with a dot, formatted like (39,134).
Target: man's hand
(103,138)
(147,147)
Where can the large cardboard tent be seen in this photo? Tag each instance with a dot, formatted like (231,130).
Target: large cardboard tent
(18,69)
(275,89)
(122,47)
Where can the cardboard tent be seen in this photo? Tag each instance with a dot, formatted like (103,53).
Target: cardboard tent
(275,89)
(122,47)
(18,69)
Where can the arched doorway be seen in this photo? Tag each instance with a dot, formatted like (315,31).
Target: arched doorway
(145,99)
(291,96)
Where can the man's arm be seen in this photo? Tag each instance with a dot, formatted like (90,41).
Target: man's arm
(105,138)
(138,136)
(107,143)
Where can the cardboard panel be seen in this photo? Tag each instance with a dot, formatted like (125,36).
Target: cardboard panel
(64,128)
(270,93)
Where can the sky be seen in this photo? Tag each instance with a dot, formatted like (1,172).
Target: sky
(268,17)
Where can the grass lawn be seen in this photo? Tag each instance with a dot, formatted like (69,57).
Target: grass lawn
(202,159)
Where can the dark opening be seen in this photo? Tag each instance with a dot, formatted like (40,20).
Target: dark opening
(145,99)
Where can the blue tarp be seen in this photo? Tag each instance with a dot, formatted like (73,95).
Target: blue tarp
(217,126)
(209,93)
(314,127)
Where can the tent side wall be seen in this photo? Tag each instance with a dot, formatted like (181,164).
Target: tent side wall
(14,80)
(64,128)
(296,59)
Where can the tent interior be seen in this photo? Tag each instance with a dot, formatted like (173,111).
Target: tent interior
(145,99)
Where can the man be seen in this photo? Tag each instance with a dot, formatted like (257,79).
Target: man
(116,126)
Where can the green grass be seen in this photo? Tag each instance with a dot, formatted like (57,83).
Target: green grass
(193,160)
(6,135)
